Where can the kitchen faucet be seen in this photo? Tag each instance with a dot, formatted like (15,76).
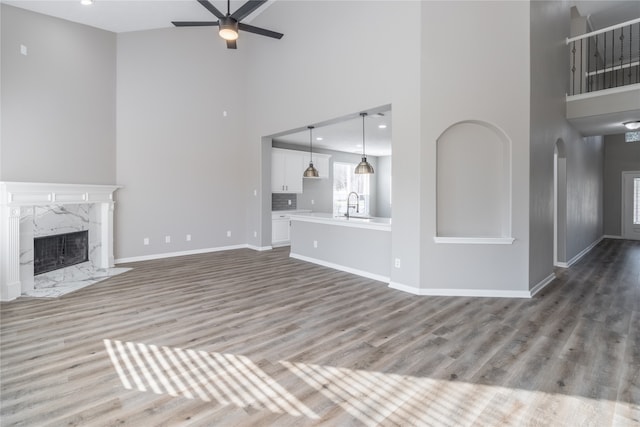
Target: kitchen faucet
(357,205)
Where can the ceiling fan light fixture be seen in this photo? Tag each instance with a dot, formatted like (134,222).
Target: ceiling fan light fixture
(228,29)
(632,125)
(363,167)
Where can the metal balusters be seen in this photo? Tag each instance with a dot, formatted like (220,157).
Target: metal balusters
(609,61)
(573,70)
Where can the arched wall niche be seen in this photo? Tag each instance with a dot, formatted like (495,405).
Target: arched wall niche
(473,184)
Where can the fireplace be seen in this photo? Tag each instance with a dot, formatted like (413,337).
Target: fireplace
(59,251)
(30,210)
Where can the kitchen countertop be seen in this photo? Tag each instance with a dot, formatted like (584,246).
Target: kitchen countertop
(375,223)
(283,213)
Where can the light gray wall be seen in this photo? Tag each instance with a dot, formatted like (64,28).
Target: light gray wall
(383,182)
(619,156)
(180,160)
(343,246)
(316,74)
(486,78)
(550,25)
(58,102)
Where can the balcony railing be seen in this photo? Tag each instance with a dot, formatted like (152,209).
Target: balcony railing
(605,59)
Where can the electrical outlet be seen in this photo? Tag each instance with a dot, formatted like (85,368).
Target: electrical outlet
(397,263)
(313,202)
(228,233)
(188,238)
(255,192)
(255,234)
(315,243)
(289,202)
(145,241)
(167,239)
(23,50)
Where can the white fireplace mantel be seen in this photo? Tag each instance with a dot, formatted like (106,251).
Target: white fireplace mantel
(17,200)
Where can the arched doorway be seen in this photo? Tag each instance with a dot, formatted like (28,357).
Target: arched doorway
(559,204)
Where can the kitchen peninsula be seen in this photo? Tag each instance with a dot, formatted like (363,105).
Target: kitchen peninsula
(360,246)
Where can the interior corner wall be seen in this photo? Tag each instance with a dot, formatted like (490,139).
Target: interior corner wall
(58,101)
(619,156)
(383,182)
(315,73)
(475,67)
(550,25)
(180,143)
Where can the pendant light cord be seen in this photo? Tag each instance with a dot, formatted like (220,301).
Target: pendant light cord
(310,143)
(363,150)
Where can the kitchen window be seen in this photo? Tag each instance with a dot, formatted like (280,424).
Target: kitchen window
(344,182)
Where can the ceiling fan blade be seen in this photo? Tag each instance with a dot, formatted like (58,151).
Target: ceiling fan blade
(195,23)
(231,44)
(246,9)
(211,8)
(261,31)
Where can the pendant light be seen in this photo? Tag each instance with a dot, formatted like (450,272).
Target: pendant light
(363,167)
(311,172)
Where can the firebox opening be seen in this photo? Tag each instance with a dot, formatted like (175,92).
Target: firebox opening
(60,251)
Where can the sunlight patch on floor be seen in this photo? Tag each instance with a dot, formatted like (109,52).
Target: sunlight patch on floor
(372,398)
(224,378)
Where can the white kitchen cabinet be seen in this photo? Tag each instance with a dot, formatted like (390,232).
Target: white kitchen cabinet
(281,226)
(280,231)
(287,167)
(320,162)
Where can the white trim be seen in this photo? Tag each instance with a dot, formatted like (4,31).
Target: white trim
(610,91)
(624,221)
(485,293)
(259,248)
(340,267)
(583,252)
(542,284)
(11,291)
(39,193)
(610,236)
(475,240)
(561,264)
(603,30)
(181,253)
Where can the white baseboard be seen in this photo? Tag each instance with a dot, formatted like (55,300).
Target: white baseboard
(355,271)
(260,248)
(180,253)
(583,252)
(542,284)
(13,291)
(486,293)
(561,264)
(609,236)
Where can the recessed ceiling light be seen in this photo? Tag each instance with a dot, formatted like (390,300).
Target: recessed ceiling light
(319,138)
(382,126)
(86,2)
(632,125)
(359,145)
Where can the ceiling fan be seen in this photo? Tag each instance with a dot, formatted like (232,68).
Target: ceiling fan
(230,23)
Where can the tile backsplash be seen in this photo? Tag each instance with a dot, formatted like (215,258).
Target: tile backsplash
(280,202)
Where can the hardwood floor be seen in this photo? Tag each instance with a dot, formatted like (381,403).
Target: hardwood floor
(245,338)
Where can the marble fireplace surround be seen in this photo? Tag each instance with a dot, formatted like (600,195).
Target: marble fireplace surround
(29,210)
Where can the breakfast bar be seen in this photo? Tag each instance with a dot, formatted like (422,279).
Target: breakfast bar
(358,245)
